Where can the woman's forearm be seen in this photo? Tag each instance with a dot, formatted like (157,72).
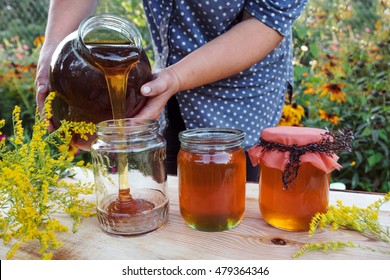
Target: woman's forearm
(65,16)
(245,44)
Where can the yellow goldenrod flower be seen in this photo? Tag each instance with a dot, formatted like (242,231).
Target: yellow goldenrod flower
(18,128)
(363,220)
(30,185)
(72,150)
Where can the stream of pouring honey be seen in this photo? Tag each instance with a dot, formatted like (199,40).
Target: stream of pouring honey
(116,61)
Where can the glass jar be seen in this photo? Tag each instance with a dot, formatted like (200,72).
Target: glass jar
(129,169)
(293,208)
(81,85)
(212,177)
(295,170)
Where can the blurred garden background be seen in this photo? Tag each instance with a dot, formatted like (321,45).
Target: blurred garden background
(341,60)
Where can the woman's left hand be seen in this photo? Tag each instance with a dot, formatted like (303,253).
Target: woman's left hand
(164,85)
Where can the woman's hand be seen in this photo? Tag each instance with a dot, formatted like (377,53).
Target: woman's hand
(42,77)
(164,85)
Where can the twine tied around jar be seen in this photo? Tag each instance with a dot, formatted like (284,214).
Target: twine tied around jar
(330,144)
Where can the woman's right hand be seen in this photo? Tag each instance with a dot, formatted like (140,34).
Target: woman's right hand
(64,17)
(42,76)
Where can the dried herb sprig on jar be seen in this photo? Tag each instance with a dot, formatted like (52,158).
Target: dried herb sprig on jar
(330,144)
(31,191)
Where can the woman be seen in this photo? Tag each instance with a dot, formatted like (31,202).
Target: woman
(218,63)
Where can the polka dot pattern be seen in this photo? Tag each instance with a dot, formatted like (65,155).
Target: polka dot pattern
(250,100)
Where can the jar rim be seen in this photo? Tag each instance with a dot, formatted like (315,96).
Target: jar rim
(212,136)
(125,127)
(111,22)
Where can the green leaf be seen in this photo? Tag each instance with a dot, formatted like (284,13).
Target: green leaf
(361,80)
(375,136)
(355,180)
(359,156)
(383,135)
(367,131)
(313,48)
(374,159)
(300,70)
(300,31)
(384,146)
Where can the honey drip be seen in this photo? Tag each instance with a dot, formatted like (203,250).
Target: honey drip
(116,60)
(125,204)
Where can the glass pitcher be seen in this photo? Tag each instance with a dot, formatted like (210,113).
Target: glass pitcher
(81,86)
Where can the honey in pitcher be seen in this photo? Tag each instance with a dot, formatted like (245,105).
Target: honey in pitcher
(116,61)
(212,177)
(82,90)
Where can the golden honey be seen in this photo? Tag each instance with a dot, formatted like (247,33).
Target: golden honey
(130,178)
(295,168)
(293,208)
(212,177)
(128,154)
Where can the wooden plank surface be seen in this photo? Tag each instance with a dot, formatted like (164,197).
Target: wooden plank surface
(252,239)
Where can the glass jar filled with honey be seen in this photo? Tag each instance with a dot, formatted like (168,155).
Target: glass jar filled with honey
(129,169)
(295,167)
(212,177)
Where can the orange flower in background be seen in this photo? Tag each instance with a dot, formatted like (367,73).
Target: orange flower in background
(336,93)
(38,41)
(331,65)
(329,117)
(309,91)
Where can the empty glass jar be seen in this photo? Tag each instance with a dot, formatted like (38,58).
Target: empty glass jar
(130,178)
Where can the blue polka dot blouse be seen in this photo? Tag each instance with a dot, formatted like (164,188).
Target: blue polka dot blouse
(250,100)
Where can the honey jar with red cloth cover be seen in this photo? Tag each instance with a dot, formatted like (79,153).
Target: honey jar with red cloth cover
(295,167)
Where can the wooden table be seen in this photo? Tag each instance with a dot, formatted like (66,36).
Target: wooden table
(251,240)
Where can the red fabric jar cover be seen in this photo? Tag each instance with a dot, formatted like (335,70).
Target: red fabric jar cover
(291,135)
